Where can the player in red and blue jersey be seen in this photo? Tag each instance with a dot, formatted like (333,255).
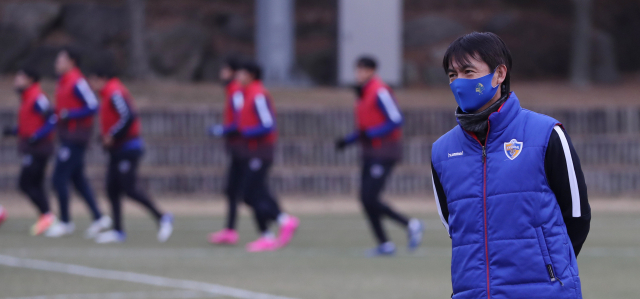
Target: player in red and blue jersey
(120,131)
(257,126)
(378,130)
(36,122)
(75,107)
(234,100)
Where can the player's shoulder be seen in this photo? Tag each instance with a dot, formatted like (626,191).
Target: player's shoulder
(537,118)
(445,141)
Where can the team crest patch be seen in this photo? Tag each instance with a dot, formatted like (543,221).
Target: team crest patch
(512,149)
(479,88)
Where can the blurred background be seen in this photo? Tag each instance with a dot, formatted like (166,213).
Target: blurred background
(581,40)
(575,60)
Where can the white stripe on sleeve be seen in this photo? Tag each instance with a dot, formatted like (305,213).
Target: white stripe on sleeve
(263,111)
(123,110)
(435,192)
(87,94)
(573,181)
(43,103)
(389,105)
(238,100)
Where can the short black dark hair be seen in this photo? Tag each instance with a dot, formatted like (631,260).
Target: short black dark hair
(31,72)
(253,68)
(74,54)
(232,62)
(367,62)
(483,46)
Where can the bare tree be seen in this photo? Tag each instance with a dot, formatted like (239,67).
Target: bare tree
(139,61)
(581,58)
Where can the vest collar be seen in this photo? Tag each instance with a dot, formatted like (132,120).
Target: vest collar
(500,119)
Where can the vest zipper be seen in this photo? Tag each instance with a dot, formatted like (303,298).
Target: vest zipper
(484,206)
(484,203)
(552,275)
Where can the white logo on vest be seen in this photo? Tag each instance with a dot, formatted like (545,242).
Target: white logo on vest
(513,149)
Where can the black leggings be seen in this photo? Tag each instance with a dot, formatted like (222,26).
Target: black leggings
(233,190)
(122,175)
(70,167)
(374,175)
(257,194)
(31,181)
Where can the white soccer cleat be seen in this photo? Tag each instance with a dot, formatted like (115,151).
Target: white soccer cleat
(166,227)
(60,229)
(110,236)
(97,226)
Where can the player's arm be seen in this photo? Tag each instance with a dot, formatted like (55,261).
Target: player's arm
(120,128)
(265,116)
(237,101)
(388,105)
(42,107)
(90,103)
(354,136)
(441,199)
(565,177)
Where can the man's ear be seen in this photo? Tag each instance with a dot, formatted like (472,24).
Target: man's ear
(501,72)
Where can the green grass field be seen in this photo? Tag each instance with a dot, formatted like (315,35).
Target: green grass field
(325,260)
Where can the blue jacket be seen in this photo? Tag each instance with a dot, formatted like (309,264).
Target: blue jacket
(509,239)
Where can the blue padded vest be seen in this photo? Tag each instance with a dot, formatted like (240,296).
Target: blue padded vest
(508,236)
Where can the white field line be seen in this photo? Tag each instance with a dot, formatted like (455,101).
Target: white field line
(133,277)
(129,295)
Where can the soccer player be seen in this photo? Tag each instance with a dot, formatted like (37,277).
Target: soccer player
(120,132)
(256,124)
(229,130)
(508,184)
(378,130)
(75,107)
(36,122)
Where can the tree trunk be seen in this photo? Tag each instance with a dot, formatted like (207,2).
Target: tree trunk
(581,58)
(138,60)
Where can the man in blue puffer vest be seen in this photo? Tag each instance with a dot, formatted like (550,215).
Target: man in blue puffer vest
(508,184)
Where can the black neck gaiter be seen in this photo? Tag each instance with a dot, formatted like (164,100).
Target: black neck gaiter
(478,122)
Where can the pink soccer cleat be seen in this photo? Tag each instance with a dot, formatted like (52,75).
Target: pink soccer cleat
(287,230)
(44,222)
(263,244)
(3,215)
(225,236)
